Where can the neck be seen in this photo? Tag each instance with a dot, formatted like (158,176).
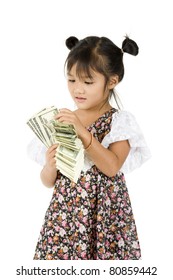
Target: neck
(97,110)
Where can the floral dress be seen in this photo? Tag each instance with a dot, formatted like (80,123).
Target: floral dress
(93,219)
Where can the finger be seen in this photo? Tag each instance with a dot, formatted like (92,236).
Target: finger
(53,161)
(51,157)
(59,116)
(64,119)
(62,112)
(52,153)
(53,147)
(65,110)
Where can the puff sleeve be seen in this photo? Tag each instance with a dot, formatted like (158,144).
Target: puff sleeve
(36,151)
(125,127)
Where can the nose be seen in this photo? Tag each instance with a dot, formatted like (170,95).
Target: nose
(78,89)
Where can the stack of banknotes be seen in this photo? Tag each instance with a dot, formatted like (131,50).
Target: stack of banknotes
(70,152)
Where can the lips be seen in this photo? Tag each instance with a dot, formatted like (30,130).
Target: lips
(80,99)
(77,97)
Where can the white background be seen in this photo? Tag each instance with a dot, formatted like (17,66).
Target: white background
(32,56)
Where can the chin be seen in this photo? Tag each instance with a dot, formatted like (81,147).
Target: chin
(82,106)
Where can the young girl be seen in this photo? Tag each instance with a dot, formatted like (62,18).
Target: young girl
(93,219)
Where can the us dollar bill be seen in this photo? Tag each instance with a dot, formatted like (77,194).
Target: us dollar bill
(70,152)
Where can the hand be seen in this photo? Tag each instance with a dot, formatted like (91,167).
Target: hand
(69,117)
(49,172)
(50,157)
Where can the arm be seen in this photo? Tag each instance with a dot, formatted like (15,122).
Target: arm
(110,160)
(49,172)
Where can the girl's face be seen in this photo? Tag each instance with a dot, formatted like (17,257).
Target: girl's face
(87,93)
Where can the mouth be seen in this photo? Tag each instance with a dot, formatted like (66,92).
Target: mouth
(80,99)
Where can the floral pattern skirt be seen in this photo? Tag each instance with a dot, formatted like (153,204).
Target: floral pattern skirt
(90,220)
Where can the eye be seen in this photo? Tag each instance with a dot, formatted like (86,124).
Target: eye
(71,80)
(88,83)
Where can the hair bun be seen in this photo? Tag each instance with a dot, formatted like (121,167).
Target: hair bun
(71,42)
(130,46)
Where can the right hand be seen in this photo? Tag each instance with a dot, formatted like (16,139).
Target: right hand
(50,157)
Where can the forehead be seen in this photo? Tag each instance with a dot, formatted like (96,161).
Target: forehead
(82,72)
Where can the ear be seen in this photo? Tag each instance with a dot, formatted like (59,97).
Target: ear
(113,81)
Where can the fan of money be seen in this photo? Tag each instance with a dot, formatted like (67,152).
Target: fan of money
(70,152)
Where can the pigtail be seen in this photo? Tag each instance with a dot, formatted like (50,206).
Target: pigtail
(130,46)
(71,42)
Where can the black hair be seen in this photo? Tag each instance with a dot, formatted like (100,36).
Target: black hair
(99,54)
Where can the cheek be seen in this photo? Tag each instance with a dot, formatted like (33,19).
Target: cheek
(70,87)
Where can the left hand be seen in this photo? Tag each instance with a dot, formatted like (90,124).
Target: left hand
(69,117)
